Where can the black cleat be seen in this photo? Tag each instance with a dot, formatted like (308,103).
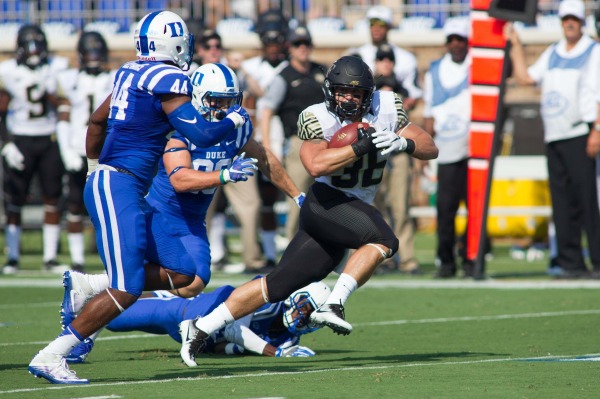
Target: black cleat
(198,344)
(332,316)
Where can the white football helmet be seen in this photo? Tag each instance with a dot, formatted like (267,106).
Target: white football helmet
(314,294)
(163,36)
(215,89)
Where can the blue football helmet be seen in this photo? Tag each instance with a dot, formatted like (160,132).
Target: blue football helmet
(301,304)
(215,89)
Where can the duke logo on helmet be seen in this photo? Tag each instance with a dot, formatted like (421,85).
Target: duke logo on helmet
(164,36)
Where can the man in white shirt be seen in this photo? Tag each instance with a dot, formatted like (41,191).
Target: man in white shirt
(568,74)
(447,116)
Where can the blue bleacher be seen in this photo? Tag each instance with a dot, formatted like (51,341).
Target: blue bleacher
(13,10)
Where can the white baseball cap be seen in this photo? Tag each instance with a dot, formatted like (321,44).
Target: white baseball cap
(575,8)
(382,13)
(457,26)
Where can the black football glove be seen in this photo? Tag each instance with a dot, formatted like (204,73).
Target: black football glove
(364,144)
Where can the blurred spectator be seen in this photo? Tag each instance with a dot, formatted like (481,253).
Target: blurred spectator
(393,198)
(380,22)
(567,73)
(27,108)
(295,88)
(82,89)
(447,116)
(272,28)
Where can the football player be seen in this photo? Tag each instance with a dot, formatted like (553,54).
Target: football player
(273,330)
(125,139)
(28,108)
(82,90)
(337,213)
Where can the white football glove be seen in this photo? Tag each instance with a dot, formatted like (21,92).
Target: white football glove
(14,157)
(294,351)
(390,141)
(71,159)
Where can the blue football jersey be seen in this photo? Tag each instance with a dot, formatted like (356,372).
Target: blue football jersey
(186,210)
(136,116)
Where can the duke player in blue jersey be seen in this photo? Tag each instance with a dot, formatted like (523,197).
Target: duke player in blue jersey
(272,330)
(126,137)
(181,192)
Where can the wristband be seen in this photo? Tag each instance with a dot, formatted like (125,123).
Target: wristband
(410,146)
(92,165)
(63,108)
(222,177)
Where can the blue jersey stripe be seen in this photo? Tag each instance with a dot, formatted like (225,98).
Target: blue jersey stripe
(144,33)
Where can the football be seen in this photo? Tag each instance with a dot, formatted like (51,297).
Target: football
(346,135)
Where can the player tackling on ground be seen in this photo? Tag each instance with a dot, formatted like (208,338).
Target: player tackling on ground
(337,213)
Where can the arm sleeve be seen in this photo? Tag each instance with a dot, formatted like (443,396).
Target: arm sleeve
(240,334)
(187,121)
(539,68)
(427,96)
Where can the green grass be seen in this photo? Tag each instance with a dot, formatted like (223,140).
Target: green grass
(409,341)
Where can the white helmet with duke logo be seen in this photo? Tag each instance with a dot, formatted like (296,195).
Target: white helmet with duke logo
(297,316)
(215,89)
(163,36)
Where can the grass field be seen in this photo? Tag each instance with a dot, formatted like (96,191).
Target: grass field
(518,334)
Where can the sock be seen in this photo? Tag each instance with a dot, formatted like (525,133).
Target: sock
(64,343)
(13,241)
(215,320)
(98,282)
(268,244)
(76,248)
(95,335)
(51,233)
(216,237)
(344,287)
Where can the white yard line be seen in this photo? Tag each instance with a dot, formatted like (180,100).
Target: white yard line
(293,373)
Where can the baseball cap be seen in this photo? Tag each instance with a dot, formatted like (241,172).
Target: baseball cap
(299,34)
(385,51)
(575,8)
(381,13)
(457,26)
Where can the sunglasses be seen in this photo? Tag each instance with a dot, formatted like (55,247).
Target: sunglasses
(302,43)
(378,22)
(209,46)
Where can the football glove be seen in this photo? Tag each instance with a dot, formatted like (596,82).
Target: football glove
(299,199)
(71,159)
(294,351)
(14,157)
(390,141)
(238,115)
(364,144)
(239,170)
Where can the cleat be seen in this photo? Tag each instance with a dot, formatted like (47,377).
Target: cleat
(77,292)
(80,352)
(54,368)
(188,331)
(198,344)
(332,316)
(11,267)
(54,267)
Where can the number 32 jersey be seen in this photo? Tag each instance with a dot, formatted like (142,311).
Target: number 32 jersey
(360,179)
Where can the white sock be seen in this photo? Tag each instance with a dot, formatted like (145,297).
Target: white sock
(98,282)
(216,237)
(268,244)
(63,344)
(76,248)
(51,233)
(95,335)
(215,320)
(344,287)
(13,241)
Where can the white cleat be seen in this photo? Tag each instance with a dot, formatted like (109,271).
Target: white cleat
(77,292)
(54,368)
(188,331)
(332,316)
